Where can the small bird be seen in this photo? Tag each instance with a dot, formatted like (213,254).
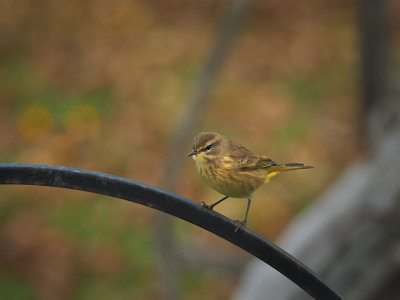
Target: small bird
(233,170)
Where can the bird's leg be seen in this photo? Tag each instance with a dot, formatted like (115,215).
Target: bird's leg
(243,223)
(204,205)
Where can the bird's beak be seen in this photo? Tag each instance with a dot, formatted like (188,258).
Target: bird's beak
(194,152)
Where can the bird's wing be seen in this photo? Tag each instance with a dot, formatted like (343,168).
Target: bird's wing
(265,162)
(248,162)
(244,159)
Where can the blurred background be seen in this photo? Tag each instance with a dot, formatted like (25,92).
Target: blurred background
(104,86)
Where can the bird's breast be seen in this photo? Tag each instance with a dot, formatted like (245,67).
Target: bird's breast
(229,182)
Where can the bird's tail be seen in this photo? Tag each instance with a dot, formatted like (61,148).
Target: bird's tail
(287,167)
(277,168)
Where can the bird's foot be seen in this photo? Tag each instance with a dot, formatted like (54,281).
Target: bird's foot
(204,205)
(240,225)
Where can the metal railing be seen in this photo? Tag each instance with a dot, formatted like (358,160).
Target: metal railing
(175,205)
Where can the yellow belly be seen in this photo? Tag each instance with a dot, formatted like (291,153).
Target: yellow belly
(233,183)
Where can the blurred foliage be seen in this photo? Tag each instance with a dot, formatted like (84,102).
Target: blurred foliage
(99,85)
(12,288)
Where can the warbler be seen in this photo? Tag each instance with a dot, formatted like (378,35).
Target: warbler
(233,170)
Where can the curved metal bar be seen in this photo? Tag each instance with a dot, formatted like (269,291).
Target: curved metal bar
(175,205)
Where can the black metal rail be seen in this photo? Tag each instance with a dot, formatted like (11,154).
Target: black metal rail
(175,205)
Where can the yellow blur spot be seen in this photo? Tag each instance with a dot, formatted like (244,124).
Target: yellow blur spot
(83,122)
(34,123)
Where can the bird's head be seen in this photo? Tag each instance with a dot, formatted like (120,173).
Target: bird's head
(207,146)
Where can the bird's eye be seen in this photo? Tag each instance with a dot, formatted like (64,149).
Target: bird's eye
(208,147)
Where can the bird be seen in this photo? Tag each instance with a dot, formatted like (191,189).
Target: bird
(233,170)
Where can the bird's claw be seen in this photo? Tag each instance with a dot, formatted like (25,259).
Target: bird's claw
(204,205)
(240,225)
